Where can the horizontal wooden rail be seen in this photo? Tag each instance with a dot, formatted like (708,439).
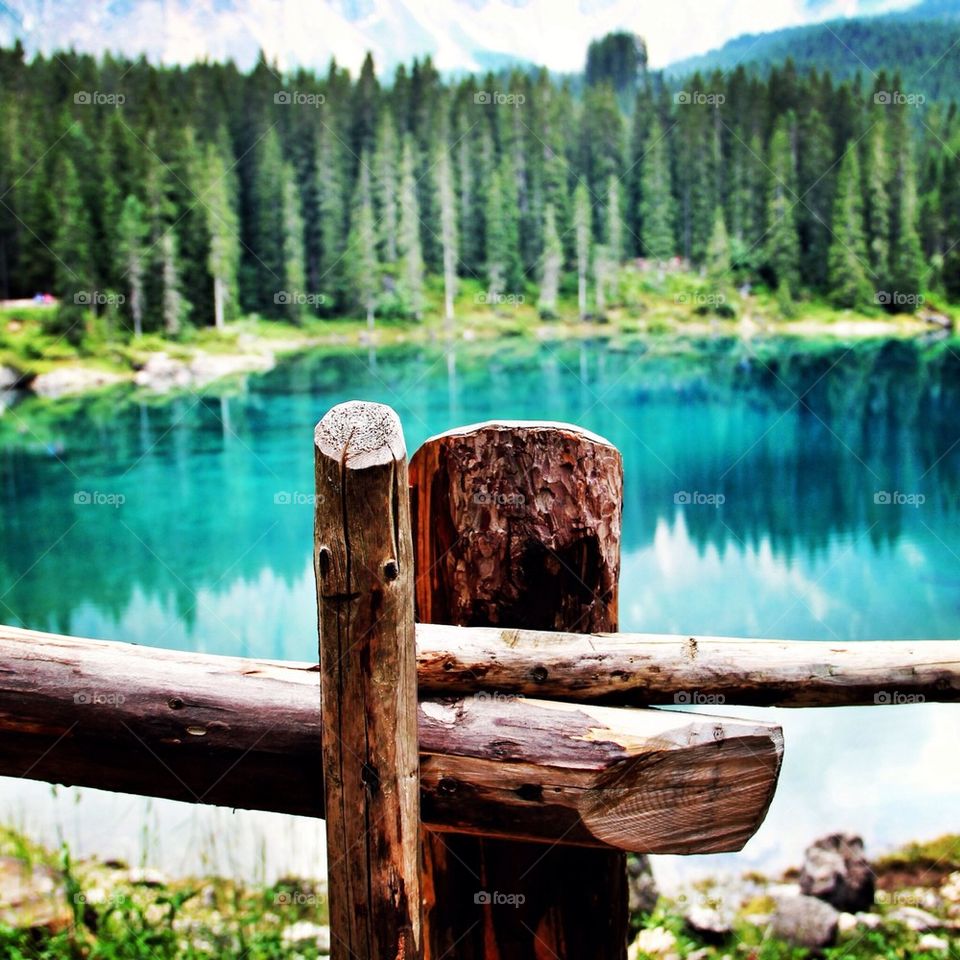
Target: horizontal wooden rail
(246,733)
(638,669)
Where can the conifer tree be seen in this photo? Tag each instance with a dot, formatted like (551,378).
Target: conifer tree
(132,235)
(552,264)
(408,237)
(782,242)
(223,227)
(657,205)
(847,265)
(363,268)
(582,227)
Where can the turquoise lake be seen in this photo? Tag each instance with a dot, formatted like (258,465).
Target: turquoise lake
(772,489)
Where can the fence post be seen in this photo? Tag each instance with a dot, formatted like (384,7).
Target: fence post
(518,525)
(363,561)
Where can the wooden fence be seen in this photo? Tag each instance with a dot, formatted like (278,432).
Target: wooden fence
(472,734)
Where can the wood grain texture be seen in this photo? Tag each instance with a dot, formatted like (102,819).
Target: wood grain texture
(518,525)
(637,669)
(363,561)
(246,733)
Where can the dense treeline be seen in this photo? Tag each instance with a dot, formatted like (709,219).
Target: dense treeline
(165,196)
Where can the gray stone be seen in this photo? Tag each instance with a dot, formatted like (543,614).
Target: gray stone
(916,919)
(805,922)
(63,381)
(835,870)
(708,924)
(641,886)
(9,378)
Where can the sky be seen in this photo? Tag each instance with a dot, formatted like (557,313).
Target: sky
(456,32)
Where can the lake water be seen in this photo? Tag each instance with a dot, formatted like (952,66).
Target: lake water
(773,489)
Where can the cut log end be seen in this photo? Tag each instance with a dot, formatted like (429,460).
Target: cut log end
(360,434)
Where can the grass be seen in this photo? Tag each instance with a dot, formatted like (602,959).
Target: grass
(645,302)
(116,914)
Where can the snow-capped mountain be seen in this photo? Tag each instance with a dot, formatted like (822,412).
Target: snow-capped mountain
(461,35)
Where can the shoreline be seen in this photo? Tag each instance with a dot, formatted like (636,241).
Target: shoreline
(173,365)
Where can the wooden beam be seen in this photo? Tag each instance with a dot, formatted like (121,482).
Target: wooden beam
(638,669)
(246,733)
(363,561)
(518,525)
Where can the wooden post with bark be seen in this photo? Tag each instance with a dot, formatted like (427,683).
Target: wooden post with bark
(364,570)
(518,525)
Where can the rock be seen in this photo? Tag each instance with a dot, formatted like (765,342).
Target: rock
(306,932)
(206,367)
(805,922)
(835,870)
(162,372)
(872,921)
(641,886)
(146,877)
(847,923)
(9,378)
(931,942)
(32,897)
(67,380)
(652,942)
(916,919)
(708,924)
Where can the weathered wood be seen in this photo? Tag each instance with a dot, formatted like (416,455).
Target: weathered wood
(363,561)
(518,525)
(637,669)
(246,733)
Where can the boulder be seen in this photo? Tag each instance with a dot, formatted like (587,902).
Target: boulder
(9,378)
(708,924)
(64,381)
(805,922)
(836,871)
(653,942)
(162,372)
(641,886)
(32,897)
(933,943)
(304,932)
(916,919)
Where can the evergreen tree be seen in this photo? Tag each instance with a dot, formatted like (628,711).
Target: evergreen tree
(582,226)
(782,242)
(907,264)
(408,239)
(175,308)
(223,227)
(132,235)
(614,225)
(448,229)
(362,265)
(657,206)
(503,266)
(294,269)
(847,260)
(718,250)
(877,201)
(551,266)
